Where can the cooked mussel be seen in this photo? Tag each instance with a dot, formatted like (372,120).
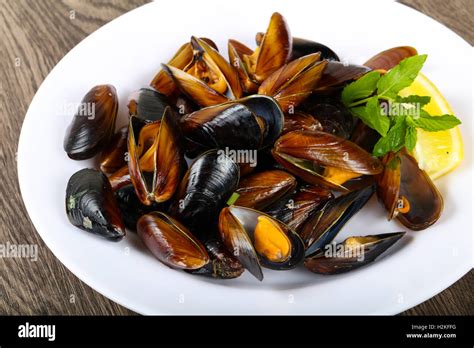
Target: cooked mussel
(408,193)
(261,189)
(321,158)
(147,104)
(209,79)
(93,124)
(337,74)
(131,208)
(91,205)
(331,113)
(300,121)
(296,208)
(256,239)
(273,52)
(171,242)
(352,253)
(113,157)
(207,185)
(182,58)
(249,123)
(294,82)
(222,264)
(387,59)
(166,160)
(302,47)
(321,228)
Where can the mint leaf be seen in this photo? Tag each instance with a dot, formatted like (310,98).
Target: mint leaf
(414,99)
(436,123)
(361,88)
(410,138)
(394,140)
(400,76)
(371,115)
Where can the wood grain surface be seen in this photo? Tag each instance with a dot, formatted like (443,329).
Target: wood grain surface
(35,35)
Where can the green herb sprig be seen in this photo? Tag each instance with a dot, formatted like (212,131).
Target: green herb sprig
(365,96)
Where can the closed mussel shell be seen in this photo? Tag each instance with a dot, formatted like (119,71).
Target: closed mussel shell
(171,242)
(91,205)
(147,104)
(261,189)
(93,124)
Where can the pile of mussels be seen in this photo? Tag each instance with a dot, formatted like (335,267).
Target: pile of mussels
(312,171)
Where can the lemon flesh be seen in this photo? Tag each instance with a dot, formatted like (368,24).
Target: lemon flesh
(437,153)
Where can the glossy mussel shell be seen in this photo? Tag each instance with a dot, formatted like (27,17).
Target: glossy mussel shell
(93,124)
(165,156)
(237,228)
(352,253)
(248,123)
(147,104)
(306,154)
(207,185)
(261,189)
(321,228)
(91,205)
(408,193)
(171,242)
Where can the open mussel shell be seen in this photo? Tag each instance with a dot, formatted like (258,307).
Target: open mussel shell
(182,58)
(272,53)
(387,59)
(207,185)
(333,115)
(222,264)
(352,253)
(91,205)
(294,82)
(408,193)
(113,157)
(256,239)
(165,159)
(295,209)
(321,228)
(208,79)
(147,104)
(261,189)
(231,125)
(131,208)
(171,242)
(320,158)
(93,124)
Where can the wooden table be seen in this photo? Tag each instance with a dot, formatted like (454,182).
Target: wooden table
(37,34)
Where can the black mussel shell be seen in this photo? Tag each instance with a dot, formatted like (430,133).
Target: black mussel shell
(131,208)
(232,125)
(93,124)
(333,116)
(91,205)
(204,190)
(351,254)
(303,47)
(147,104)
(327,221)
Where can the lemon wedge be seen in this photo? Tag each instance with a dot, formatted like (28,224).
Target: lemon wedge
(437,153)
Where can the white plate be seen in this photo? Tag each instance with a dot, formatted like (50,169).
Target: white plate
(127,53)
